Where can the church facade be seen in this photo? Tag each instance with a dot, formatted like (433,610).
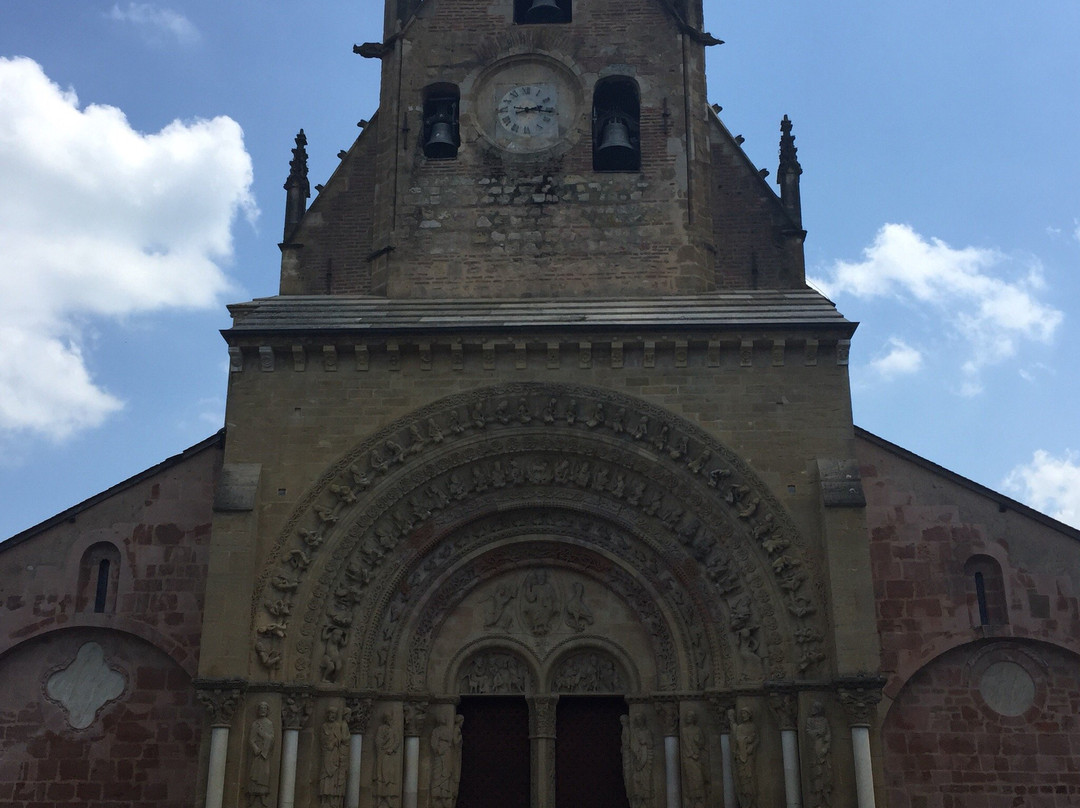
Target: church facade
(538,485)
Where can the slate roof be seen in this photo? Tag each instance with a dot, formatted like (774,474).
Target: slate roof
(732,310)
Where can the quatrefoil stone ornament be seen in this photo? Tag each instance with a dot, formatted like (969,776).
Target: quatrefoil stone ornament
(85,686)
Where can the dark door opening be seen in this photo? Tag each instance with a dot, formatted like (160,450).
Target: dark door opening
(494,752)
(588,752)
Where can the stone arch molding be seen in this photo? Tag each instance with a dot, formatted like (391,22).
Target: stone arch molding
(531,476)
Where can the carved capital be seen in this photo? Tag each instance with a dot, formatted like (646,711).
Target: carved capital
(667,711)
(721,704)
(295,710)
(358,711)
(784,703)
(860,697)
(220,698)
(415,713)
(542,716)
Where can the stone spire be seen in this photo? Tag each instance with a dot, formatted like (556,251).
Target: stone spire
(787,176)
(297,189)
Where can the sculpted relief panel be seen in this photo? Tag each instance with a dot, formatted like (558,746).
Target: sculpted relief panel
(713,541)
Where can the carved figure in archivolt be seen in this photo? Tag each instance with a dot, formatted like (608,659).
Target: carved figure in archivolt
(819,734)
(744,742)
(387,763)
(695,762)
(334,743)
(539,602)
(702,492)
(494,674)
(590,672)
(446,762)
(260,744)
(637,757)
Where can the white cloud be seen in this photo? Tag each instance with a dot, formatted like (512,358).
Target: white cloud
(901,360)
(1049,484)
(98,220)
(154,22)
(963,287)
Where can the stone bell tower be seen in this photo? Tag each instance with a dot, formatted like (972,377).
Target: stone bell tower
(539,472)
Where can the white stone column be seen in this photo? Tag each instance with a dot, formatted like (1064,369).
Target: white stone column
(789,742)
(215,779)
(295,711)
(864,771)
(358,710)
(785,706)
(725,773)
(221,703)
(415,713)
(287,788)
(860,697)
(720,706)
(668,712)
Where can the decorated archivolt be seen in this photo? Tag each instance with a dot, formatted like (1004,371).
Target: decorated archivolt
(688,522)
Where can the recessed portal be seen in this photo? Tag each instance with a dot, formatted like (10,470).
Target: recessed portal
(494,752)
(588,752)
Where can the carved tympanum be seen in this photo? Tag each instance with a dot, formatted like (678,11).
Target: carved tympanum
(494,673)
(588,672)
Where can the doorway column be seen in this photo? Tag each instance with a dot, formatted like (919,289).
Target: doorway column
(221,703)
(785,706)
(358,711)
(415,714)
(668,713)
(721,705)
(542,750)
(294,714)
(860,701)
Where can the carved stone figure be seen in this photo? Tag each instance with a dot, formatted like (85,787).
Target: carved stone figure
(695,763)
(261,744)
(578,615)
(821,771)
(637,755)
(445,762)
(539,606)
(744,751)
(494,674)
(387,767)
(588,673)
(497,615)
(334,742)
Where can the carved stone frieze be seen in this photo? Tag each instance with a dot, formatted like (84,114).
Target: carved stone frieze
(590,671)
(414,474)
(494,673)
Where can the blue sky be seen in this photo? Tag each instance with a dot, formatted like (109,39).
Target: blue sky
(143,147)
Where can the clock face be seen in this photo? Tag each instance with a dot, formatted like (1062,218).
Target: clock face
(530,111)
(526,104)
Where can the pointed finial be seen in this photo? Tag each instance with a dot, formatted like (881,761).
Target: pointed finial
(297,189)
(787,176)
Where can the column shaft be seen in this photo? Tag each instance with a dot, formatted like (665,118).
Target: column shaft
(352,783)
(671,770)
(790,744)
(289,741)
(726,771)
(864,771)
(412,771)
(215,779)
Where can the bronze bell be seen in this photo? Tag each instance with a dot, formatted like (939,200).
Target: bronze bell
(440,143)
(615,145)
(544,11)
